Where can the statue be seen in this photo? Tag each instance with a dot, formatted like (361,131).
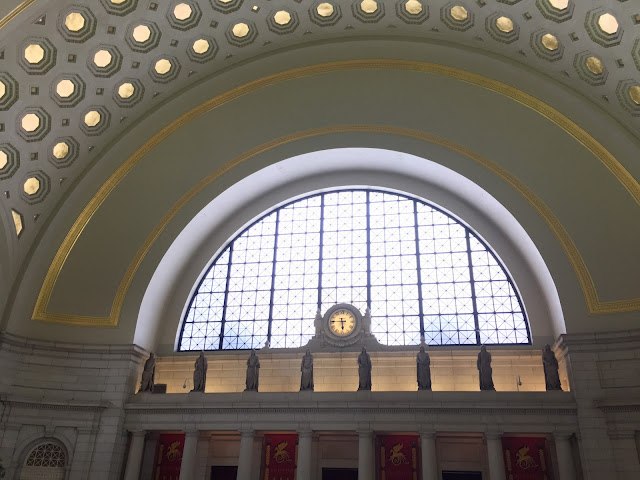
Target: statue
(550,363)
(424,370)
(253,370)
(148,374)
(306,379)
(484,369)
(364,370)
(200,373)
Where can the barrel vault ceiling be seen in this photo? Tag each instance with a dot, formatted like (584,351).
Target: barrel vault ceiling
(75,75)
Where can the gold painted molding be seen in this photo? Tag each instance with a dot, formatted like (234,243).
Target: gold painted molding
(594,305)
(15,12)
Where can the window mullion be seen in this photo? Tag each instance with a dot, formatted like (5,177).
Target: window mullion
(273,276)
(473,289)
(226,296)
(368,253)
(321,250)
(421,313)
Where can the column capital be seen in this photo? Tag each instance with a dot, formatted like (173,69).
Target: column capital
(304,433)
(192,433)
(365,432)
(427,434)
(138,433)
(493,435)
(562,435)
(247,432)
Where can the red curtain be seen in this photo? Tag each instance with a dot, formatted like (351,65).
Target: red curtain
(279,456)
(525,458)
(397,457)
(168,456)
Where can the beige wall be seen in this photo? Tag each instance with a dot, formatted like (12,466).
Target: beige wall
(338,372)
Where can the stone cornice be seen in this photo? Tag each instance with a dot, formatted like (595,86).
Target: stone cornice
(40,404)
(31,345)
(328,409)
(598,341)
(618,406)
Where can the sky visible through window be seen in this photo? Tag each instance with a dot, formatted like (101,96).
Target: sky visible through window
(419,270)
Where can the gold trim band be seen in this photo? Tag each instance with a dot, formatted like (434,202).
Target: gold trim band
(15,12)
(593,303)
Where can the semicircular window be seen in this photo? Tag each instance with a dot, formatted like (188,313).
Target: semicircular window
(420,271)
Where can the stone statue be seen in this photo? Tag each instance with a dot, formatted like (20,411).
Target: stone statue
(550,363)
(253,371)
(364,370)
(200,373)
(424,370)
(306,379)
(148,374)
(484,369)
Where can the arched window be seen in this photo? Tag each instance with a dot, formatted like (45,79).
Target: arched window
(45,461)
(419,270)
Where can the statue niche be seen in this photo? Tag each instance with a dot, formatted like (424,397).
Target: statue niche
(485,373)
(148,374)
(550,363)
(200,373)
(423,364)
(364,370)
(306,369)
(253,372)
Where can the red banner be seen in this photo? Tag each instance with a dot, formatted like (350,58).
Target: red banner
(279,456)
(397,457)
(525,458)
(168,456)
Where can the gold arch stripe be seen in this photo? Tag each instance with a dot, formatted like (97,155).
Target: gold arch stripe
(594,305)
(15,12)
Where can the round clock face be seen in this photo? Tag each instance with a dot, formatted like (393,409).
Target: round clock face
(342,322)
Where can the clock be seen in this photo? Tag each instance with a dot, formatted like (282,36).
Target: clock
(341,325)
(342,322)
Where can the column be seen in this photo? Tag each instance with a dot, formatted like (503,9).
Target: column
(494,452)
(428,450)
(188,465)
(134,460)
(365,455)
(246,455)
(304,455)
(566,469)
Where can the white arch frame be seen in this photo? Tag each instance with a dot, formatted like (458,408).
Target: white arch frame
(188,258)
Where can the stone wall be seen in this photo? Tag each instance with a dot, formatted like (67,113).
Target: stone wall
(69,392)
(82,396)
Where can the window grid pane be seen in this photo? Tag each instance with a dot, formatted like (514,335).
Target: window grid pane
(423,274)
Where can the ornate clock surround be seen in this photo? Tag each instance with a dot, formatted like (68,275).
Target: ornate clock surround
(360,331)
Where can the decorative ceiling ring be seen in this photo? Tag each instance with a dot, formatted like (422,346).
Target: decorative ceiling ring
(594,304)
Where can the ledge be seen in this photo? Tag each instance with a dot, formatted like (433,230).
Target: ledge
(423,402)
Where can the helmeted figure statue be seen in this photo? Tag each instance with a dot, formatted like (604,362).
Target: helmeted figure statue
(148,374)
(550,363)
(424,369)
(484,369)
(364,370)
(253,371)
(200,373)
(306,378)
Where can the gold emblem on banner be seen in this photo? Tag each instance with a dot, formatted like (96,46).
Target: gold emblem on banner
(173,453)
(523,459)
(281,455)
(396,456)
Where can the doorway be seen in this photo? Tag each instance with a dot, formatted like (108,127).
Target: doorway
(461,475)
(224,473)
(339,474)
